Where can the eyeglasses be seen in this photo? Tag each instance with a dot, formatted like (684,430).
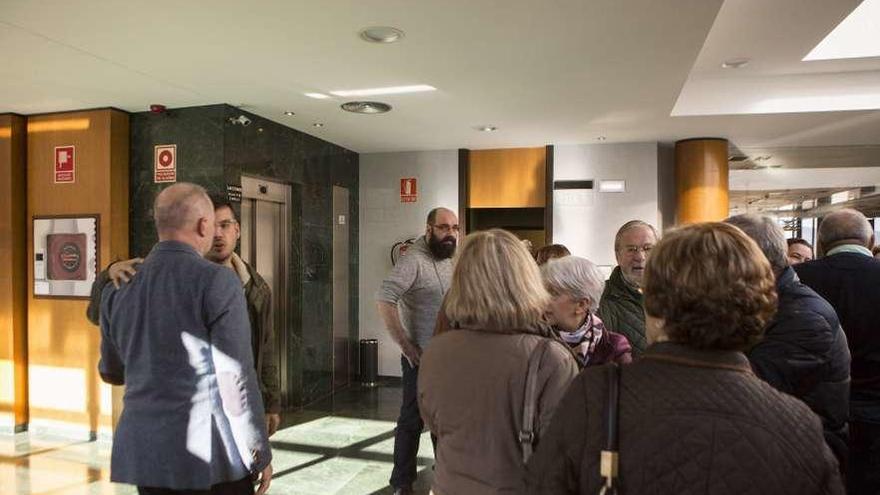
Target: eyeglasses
(634,250)
(225,224)
(444,227)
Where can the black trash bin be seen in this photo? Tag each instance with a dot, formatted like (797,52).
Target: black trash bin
(369,358)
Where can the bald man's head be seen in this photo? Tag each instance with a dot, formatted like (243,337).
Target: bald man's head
(845,226)
(184,212)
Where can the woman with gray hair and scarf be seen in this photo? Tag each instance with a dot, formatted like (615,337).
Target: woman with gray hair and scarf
(576,285)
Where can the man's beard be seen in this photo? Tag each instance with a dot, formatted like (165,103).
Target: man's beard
(442,248)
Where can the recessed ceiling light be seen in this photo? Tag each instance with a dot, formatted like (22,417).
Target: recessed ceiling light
(317,96)
(390,90)
(318,124)
(381,34)
(486,128)
(289,113)
(856,36)
(367,107)
(735,63)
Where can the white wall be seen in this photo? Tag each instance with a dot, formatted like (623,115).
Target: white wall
(384,220)
(586,221)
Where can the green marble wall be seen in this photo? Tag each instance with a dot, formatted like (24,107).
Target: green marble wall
(212,152)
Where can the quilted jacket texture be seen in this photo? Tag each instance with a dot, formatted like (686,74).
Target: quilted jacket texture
(621,310)
(804,353)
(691,422)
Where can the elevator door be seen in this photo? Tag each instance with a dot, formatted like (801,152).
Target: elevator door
(265,245)
(341,336)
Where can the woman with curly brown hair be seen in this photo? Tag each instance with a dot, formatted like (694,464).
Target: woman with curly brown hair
(689,417)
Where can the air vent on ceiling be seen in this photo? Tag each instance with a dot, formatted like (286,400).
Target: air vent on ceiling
(737,158)
(368,107)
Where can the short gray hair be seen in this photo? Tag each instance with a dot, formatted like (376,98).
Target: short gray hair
(632,224)
(180,205)
(844,224)
(767,234)
(574,276)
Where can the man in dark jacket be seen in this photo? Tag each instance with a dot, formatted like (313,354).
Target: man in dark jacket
(804,351)
(849,278)
(621,306)
(258,296)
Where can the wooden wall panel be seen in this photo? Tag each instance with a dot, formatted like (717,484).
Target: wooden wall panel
(701,176)
(13,270)
(507,178)
(63,346)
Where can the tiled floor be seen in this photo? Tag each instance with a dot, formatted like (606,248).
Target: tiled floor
(342,445)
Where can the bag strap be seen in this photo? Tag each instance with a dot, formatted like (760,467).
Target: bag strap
(608,461)
(530,402)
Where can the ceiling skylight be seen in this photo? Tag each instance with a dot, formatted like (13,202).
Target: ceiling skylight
(857,36)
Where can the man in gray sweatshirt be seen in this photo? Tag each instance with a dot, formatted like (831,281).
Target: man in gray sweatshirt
(409,302)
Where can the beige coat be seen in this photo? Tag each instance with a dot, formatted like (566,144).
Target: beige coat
(471,393)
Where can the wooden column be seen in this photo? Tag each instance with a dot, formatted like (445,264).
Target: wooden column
(13,270)
(701,176)
(63,346)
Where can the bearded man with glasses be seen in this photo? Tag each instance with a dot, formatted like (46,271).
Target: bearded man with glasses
(409,301)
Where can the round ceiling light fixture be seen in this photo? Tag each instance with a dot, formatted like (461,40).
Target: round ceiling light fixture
(289,113)
(486,128)
(317,124)
(366,107)
(735,63)
(381,34)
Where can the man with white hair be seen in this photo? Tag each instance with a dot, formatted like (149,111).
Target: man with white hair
(178,337)
(622,307)
(848,277)
(804,351)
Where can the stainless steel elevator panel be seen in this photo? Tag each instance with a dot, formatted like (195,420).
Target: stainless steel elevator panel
(341,337)
(265,245)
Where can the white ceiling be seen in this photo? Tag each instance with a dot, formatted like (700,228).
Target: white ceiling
(560,71)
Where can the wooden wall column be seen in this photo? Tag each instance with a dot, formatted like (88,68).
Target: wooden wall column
(63,346)
(13,270)
(701,176)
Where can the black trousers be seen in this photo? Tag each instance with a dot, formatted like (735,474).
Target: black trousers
(241,487)
(408,431)
(863,472)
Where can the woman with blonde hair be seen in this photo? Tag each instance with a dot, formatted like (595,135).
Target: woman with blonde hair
(489,385)
(689,416)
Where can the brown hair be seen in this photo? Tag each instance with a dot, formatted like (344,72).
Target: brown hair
(496,285)
(712,286)
(550,252)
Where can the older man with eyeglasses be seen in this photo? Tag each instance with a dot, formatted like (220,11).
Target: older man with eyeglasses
(621,307)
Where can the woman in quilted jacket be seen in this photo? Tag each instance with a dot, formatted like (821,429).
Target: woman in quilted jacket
(692,418)
(576,285)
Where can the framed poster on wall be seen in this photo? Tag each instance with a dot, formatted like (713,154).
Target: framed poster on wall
(65,255)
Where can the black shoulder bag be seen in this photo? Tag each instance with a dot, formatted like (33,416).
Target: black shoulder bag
(608,461)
